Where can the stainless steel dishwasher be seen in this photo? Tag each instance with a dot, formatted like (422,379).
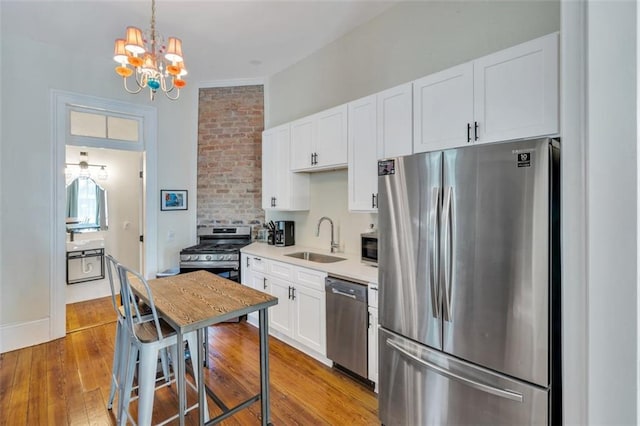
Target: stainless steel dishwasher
(347,324)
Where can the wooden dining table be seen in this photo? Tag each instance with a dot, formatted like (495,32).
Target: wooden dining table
(196,300)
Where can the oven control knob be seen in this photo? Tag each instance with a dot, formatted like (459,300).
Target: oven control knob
(186,257)
(209,257)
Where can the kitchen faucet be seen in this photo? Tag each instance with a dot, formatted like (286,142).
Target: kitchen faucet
(334,245)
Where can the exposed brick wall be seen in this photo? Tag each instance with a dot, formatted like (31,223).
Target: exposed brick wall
(230,125)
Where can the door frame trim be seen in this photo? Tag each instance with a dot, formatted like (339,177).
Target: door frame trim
(60,100)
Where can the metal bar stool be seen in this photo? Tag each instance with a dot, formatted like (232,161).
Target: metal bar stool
(146,339)
(122,338)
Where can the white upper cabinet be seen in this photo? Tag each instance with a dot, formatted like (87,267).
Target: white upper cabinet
(303,137)
(394,118)
(281,189)
(319,142)
(362,174)
(516,91)
(443,108)
(379,127)
(507,95)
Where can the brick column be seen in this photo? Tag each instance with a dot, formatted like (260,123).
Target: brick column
(230,125)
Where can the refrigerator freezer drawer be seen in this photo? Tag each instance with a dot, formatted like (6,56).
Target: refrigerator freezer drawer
(422,386)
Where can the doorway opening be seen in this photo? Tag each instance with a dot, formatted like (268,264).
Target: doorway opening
(108,131)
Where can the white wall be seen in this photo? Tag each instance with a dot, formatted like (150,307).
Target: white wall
(612,203)
(328,198)
(29,70)
(410,40)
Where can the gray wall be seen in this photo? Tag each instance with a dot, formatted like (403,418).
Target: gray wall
(410,40)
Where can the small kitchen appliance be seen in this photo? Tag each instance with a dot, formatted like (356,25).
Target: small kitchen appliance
(284,233)
(369,248)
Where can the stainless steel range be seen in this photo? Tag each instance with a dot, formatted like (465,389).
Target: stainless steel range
(217,251)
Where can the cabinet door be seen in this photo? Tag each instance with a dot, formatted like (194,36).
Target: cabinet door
(257,281)
(302,143)
(245,270)
(331,140)
(516,91)
(373,344)
(363,166)
(310,321)
(268,169)
(281,315)
(281,188)
(395,118)
(443,109)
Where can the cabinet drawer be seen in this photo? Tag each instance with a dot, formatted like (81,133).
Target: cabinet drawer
(309,278)
(257,264)
(280,270)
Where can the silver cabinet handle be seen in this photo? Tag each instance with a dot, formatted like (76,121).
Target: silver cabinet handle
(264,282)
(341,293)
(502,393)
(433,275)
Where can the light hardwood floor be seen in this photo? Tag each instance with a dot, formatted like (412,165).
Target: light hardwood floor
(67,381)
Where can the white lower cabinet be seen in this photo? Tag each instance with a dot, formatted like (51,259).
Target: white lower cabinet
(309,318)
(299,318)
(281,315)
(372,299)
(373,345)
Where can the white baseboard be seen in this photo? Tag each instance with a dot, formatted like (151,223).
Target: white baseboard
(21,335)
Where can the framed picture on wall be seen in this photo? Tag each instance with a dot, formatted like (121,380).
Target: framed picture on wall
(172,199)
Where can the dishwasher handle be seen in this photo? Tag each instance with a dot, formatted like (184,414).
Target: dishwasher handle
(341,293)
(342,288)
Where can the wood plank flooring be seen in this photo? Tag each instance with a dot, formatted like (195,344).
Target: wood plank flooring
(66,382)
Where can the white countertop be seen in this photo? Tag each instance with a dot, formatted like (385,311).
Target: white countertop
(351,268)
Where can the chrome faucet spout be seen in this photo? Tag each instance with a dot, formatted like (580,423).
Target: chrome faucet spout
(334,244)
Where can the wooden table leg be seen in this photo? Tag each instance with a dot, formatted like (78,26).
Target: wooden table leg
(264,366)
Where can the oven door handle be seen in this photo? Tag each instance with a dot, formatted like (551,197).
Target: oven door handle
(210,265)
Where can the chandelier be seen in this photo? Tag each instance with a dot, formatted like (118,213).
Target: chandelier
(156,65)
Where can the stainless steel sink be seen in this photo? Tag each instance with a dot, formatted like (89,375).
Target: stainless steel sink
(315,257)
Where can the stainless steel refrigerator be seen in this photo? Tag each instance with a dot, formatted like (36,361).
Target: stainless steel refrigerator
(469,282)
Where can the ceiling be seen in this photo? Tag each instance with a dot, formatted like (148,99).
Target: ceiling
(222,40)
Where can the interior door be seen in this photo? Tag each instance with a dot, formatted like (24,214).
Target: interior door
(409,195)
(494,257)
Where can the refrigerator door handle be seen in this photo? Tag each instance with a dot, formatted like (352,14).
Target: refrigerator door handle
(433,276)
(503,393)
(445,253)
